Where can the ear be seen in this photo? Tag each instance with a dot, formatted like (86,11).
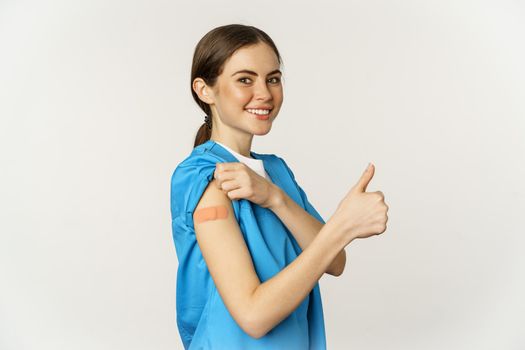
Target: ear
(202,90)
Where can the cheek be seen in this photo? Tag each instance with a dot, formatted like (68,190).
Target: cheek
(277,92)
(278,98)
(242,95)
(237,93)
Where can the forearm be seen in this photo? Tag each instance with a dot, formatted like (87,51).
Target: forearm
(276,298)
(303,226)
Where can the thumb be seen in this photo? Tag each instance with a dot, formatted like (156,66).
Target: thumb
(365,178)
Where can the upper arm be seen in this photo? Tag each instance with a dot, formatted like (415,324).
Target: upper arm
(225,252)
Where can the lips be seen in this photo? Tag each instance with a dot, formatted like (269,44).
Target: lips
(260,116)
(261,107)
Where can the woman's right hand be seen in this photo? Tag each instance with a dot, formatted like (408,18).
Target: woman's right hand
(361,214)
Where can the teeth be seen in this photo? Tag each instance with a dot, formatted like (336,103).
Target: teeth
(259,111)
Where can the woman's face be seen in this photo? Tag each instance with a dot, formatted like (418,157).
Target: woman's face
(251,79)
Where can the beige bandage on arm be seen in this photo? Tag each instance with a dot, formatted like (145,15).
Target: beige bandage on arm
(210,213)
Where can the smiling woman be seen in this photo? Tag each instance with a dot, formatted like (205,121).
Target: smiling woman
(251,247)
(236,80)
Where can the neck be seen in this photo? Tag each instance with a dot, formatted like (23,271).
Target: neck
(242,148)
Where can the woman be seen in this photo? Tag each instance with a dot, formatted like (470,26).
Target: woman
(251,247)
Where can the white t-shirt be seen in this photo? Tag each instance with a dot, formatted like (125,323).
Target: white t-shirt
(256,165)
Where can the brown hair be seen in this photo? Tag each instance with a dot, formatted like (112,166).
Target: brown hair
(211,53)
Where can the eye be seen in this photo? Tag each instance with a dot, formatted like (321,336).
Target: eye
(244,78)
(276,80)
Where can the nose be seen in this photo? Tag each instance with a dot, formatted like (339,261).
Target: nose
(261,91)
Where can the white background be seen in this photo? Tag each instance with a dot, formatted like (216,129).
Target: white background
(96,112)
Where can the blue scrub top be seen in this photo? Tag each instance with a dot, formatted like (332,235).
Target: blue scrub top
(203,320)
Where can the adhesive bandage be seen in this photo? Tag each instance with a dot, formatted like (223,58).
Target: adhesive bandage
(210,213)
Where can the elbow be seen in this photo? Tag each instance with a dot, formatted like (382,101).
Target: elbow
(249,319)
(254,324)
(253,330)
(253,327)
(338,271)
(256,334)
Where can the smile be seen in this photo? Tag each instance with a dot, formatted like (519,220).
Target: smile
(259,111)
(261,114)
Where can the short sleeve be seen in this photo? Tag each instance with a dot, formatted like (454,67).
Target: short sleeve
(308,206)
(188,183)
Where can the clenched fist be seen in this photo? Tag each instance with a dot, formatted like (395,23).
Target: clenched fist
(237,180)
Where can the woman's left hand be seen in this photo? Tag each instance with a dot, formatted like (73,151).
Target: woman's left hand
(238,181)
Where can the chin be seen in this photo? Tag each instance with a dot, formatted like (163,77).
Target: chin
(261,131)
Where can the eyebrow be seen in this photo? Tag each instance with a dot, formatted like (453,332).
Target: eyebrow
(247,71)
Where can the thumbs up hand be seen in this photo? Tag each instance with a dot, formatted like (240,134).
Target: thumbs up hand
(362,214)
